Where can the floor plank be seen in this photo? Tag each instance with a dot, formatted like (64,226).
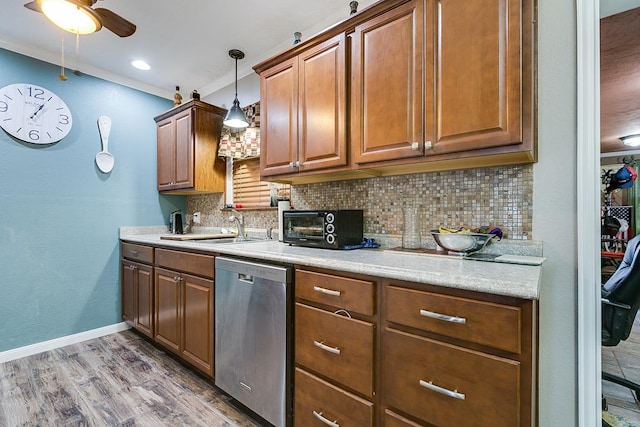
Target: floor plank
(116,380)
(623,360)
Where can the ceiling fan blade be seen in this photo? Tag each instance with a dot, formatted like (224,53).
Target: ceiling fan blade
(33,6)
(115,23)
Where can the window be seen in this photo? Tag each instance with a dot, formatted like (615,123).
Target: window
(249,191)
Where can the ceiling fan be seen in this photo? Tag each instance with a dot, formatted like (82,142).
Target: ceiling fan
(64,13)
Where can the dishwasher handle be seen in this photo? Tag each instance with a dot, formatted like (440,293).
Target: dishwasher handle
(246,278)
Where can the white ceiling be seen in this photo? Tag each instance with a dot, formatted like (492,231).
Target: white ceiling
(185,42)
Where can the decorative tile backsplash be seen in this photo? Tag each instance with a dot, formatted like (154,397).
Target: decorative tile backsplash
(496,196)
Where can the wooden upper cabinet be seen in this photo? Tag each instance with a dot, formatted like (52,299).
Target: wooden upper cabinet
(166,153)
(304,111)
(430,85)
(322,105)
(188,137)
(478,80)
(279,118)
(387,85)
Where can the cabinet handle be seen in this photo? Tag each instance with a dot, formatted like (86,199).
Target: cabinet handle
(415,146)
(295,164)
(334,350)
(431,386)
(452,319)
(319,416)
(326,291)
(177,278)
(134,252)
(427,145)
(132,267)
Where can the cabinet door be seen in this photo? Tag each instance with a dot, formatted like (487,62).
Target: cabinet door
(279,119)
(167,309)
(478,74)
(322,106)
(184,150)
(144,300)
(197,325)
(128,291)
(166,154)
(387,86)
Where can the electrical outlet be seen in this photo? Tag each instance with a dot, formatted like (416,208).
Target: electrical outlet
(196,217)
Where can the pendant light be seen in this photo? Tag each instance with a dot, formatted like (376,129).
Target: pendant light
(235,116)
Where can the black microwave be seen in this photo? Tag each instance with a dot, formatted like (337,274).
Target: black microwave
(330,229)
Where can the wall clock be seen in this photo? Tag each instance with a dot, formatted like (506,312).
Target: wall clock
(33,114)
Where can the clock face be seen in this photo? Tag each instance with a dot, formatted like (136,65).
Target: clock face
(33,114)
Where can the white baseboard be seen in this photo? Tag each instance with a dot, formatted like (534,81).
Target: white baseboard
(40,347)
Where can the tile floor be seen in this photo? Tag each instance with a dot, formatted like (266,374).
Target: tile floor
(624,360)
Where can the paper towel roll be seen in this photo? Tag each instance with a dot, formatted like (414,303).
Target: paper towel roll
(283,205)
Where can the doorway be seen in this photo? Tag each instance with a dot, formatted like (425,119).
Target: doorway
(588,207)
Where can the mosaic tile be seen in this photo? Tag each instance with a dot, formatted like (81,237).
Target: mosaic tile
(497,196)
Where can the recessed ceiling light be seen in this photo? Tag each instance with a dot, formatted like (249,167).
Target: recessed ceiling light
(631,140)
(141,65)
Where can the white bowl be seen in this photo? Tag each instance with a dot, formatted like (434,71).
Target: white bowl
(463,243)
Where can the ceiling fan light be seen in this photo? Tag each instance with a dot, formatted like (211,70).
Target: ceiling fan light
(235,116)
(631,140)
(72,16)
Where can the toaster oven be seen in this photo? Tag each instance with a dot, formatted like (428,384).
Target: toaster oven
(330,229)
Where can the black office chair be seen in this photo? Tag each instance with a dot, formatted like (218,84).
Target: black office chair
(620,302)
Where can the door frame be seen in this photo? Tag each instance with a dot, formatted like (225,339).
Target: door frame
(589,369)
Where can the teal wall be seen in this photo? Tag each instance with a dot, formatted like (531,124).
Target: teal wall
(59,215)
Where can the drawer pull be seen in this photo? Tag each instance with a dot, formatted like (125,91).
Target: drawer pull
(334,350)
(452,319)
(441,390)
(326,291)
(319,416)
(134,252)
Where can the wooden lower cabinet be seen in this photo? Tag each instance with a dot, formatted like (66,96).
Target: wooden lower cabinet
(454,357)
(319,403)
(335,347)
(184,310)
(137,288)
(376,352)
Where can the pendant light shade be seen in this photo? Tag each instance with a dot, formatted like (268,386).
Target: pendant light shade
(73,16)
(235,116)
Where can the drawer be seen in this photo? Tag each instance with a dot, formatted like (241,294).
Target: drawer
(335,346)
(494,325)
(139,253)
(392,419)
(200,265)
(315,399)
(339,292)
(443,384)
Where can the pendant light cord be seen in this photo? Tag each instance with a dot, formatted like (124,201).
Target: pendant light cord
(236,77)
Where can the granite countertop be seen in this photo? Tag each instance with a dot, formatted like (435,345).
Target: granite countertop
(522,281)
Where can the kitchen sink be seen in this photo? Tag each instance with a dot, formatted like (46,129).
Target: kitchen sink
(231,240)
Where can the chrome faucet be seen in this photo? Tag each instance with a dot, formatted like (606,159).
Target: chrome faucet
(239,220)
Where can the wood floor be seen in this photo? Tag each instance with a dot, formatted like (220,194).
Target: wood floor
(623,360)
(116,380)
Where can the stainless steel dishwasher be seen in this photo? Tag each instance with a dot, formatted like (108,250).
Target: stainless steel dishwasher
(252,353)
